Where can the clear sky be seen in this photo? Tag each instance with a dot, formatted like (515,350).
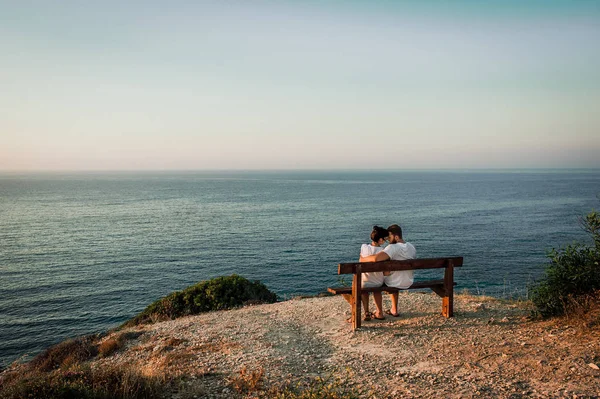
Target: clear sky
(127,85)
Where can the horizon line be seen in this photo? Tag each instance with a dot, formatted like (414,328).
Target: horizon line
(249,170)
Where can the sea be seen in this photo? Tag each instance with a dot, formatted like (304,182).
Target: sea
(81,253)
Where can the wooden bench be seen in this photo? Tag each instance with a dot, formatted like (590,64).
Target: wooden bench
(444,287)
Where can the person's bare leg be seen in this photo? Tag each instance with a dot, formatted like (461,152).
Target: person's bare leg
(378,298)
(365,302)
(394,309)
(348,298)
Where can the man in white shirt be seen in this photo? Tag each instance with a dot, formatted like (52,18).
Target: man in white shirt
(398,249)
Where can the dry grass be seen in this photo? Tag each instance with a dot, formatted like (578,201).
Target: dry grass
(175,360)
(108,347)
(583,312)
(221,346)
(62,372)
(466,295)
(248,381)
(65,354)
(113,344)
(321,388)
(173,342)
(82,382)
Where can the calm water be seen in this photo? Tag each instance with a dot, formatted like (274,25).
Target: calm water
(80,253)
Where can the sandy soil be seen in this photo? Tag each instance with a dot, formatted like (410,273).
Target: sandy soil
(490,348)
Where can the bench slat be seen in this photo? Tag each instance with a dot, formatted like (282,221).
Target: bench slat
(393,265)
(414,286)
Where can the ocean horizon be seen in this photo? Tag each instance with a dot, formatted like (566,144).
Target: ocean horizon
(81,252)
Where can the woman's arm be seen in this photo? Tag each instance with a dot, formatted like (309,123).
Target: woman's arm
(380,257)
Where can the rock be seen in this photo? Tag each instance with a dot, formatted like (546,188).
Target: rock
(594,366)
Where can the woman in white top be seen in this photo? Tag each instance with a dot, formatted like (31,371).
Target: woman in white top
(374,279)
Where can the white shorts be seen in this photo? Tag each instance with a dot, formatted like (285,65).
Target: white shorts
(400,279)
(370,280)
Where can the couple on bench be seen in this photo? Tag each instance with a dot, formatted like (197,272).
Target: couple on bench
(397,249)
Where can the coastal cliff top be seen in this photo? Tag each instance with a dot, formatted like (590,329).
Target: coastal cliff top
(490,348)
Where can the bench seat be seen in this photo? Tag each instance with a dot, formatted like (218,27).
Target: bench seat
(384,288)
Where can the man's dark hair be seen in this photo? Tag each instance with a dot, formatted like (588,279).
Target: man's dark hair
(395,230)
(378,233)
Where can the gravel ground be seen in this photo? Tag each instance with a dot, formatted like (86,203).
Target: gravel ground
(489,349)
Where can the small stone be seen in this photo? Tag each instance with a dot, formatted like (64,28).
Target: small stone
(594,366)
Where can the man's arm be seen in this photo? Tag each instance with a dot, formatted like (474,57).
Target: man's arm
(379,257)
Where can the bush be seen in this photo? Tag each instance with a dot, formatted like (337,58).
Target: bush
(573,274)
(216,294)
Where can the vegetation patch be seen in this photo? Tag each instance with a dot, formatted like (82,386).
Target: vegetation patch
(321,388)
(252,384)
(113,344)
(572,278)
(248,381)
(83,382)
(217,294)
(173,342)
(65,354)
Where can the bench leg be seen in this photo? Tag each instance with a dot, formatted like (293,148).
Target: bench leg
(448,298)
(356,299)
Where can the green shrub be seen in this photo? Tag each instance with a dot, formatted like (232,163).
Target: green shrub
(216,294)
(573,273)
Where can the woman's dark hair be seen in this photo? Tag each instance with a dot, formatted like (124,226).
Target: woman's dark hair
(378,233)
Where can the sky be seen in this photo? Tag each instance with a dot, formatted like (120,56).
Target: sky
(211,85)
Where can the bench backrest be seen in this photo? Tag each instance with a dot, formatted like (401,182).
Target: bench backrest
(392,265)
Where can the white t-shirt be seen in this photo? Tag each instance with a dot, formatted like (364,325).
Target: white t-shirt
(400,251)
(373,279)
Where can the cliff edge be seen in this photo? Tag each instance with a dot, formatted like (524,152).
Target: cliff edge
(491,348)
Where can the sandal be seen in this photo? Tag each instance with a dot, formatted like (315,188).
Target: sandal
(392,314)
(377,318)
(368,316)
